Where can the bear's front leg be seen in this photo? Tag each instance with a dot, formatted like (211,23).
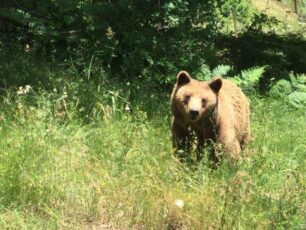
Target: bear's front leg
(181,138)
(200,145)
(229,144)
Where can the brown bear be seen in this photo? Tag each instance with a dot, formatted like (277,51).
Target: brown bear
(216,110)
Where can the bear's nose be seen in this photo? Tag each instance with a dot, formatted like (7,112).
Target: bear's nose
(193,114)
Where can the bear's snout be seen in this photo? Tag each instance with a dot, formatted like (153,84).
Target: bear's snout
(193,114)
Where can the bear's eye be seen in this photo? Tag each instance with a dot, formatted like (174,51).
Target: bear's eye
(186,99)
(204,101)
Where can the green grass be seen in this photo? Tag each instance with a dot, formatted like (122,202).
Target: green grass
(117,171)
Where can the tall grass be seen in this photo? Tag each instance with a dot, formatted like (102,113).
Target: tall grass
(101,157)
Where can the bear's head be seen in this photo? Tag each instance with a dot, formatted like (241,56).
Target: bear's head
(195,99)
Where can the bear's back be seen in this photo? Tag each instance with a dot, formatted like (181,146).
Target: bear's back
(234,105)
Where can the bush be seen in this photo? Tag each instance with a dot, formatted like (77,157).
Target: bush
(293,91)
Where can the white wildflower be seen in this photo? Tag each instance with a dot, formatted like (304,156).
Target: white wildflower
(19,106)
(127,108)
(27,89)
(179,203)
(20,90)
(65,95)
(27,48)
(109,33)
(24,90)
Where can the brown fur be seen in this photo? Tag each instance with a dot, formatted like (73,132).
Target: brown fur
(223,117)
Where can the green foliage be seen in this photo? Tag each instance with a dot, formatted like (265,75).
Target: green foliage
(80,146)
(259,20)
(156,38)
(241,9)
(206,74)
(84,130)
(221,70)
(118,170)
(248,79)
(292,91)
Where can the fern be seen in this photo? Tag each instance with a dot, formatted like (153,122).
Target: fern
(281,89)
(221,70)
(253,75)
(298,82)
(207,74)
(297,99)
(36,25)
(248,79)
(293,91)
(16,15)
(204,73)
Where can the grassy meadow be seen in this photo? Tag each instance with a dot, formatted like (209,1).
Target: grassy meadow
(85,139)
(103,160)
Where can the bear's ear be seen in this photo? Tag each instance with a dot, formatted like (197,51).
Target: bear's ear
(183,78)
(216,84)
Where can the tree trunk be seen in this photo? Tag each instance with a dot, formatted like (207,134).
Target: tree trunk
(235,23)
(296,6)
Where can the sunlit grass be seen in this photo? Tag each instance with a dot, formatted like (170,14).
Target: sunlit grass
(117,171)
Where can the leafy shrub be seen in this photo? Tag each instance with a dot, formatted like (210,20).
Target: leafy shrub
(293,91)
(156,39)
(281,88)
